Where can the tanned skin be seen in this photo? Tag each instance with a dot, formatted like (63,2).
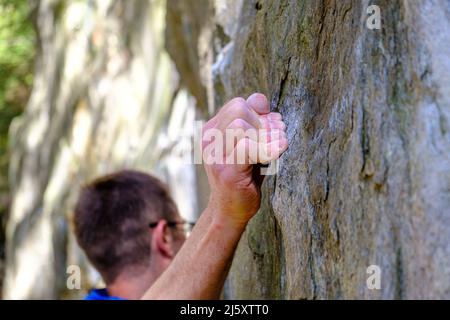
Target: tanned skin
(199,269)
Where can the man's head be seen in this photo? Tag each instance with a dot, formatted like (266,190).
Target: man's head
(125,223)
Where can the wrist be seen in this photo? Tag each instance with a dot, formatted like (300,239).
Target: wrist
(225,219)
(225,224)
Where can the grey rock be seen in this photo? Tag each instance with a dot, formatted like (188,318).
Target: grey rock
(366,178)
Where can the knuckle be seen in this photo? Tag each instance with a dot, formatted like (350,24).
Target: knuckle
(238,100)
(239,123)
(239,107)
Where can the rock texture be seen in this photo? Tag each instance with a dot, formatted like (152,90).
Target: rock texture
(366,178)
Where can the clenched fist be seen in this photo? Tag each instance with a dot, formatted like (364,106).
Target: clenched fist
(242,135)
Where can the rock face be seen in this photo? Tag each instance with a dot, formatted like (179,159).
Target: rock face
(106,96)
(366,178)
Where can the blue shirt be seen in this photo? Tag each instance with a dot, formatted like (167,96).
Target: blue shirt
(100,294)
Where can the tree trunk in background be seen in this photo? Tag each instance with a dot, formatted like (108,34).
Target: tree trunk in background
(105,97)
(366,178)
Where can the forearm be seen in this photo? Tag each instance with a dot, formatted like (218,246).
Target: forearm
(200,268)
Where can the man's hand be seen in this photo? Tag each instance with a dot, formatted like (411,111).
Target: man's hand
(235,187)
(200,268)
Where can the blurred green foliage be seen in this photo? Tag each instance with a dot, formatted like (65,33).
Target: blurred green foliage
(17,50)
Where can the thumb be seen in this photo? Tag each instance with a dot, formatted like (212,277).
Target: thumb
(259,103)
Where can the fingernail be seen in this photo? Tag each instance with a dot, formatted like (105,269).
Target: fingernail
(275,116)
(278,124)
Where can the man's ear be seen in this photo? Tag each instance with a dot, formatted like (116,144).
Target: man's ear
(162,239)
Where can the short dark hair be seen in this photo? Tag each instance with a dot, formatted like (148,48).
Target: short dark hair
(111,220)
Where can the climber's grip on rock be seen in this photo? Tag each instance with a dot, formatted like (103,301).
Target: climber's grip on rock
(130,228)
(199,270)
(255,135)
